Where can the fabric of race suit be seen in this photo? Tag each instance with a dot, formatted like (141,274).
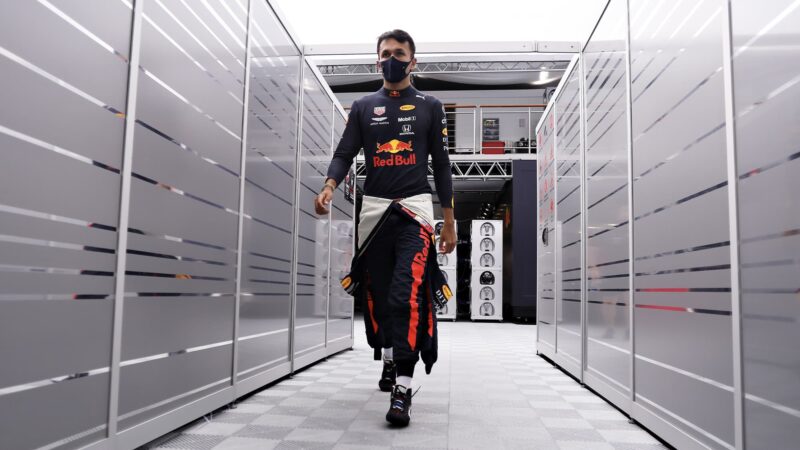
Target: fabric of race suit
(399,306)
(398,130)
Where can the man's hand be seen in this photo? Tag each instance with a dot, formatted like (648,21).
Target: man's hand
(323,200)
(447,240)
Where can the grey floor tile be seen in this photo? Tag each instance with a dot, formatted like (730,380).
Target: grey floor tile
(540,443)
(303,445)
(653,446)
(558,422)
(564,413)
(319,389)
(551,404)
(431,409)
(363,386)
(605,414)
(308,375)
(235,417)
(627,437)
(286,383)
(279,420)
(614,425)
(411,437)
(423,399)
(275,393)
(341,446)
(352,396)
(512,421)
(375,438)
(573,434)
(475,441)
(403,447)
(303,411)
(376,407)
(314,435)
(348,414)
(432,418)
(215,428)
(522,432)
(506,410)
(249,408)
(241,443)
(192,441)
(338,380)
(327,423)
(376,424)
(302,402)
(584,445)
(465,420)
(263,432)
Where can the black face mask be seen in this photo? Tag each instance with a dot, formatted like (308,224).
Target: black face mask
(394,70)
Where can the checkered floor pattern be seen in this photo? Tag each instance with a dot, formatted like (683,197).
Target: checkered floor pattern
(489,390)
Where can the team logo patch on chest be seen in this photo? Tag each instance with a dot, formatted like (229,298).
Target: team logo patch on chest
(379,110)
(407,131)
(407,107)
(395,149)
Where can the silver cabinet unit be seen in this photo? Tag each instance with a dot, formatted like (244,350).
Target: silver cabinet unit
(166,259)
(607,276)
(765,66)
(268,214)
(63,96)
(675,297)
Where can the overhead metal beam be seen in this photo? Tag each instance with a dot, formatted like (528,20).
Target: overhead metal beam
(451,67)
(453,47)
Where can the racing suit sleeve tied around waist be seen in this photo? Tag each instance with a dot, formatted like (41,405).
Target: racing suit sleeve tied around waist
(419,331)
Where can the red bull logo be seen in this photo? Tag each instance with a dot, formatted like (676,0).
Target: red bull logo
(394,147)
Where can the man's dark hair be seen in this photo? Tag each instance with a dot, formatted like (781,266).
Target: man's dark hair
(399,36)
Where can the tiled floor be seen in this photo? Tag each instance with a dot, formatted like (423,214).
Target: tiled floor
(489,390)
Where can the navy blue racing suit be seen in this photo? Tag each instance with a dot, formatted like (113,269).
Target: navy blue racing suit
(398,130)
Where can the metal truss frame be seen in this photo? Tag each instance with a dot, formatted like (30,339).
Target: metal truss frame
(451,67)
(476,169)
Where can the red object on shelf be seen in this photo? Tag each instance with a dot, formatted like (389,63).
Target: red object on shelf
(493,147)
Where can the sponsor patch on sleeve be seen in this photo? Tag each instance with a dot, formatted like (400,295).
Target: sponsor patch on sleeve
(447,292)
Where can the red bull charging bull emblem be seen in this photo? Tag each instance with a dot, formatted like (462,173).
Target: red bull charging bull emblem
(394,148)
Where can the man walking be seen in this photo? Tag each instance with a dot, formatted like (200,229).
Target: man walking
(398,128)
